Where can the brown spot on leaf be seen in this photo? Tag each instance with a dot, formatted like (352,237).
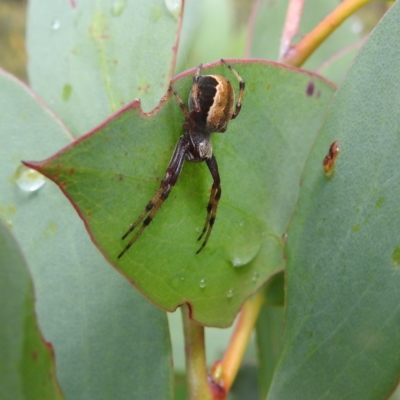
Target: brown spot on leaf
(310,89)
(71,172)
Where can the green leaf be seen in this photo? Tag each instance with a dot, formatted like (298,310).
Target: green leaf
(89,58)
(27,368)
(269,328)
(343,276)
(109,341)
(245,384)
(112,173)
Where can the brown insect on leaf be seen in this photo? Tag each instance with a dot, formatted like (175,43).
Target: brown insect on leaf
(329,160)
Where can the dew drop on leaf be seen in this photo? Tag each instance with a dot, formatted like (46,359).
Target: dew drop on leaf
(229,295)
(237,262)
(174,7)
(202,284)
(55,24)
(256,275)
(244,256)
(28,179)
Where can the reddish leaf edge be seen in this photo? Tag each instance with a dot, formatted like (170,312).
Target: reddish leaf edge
(136,106)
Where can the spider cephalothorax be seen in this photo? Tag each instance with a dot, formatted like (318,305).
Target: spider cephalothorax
(211,107)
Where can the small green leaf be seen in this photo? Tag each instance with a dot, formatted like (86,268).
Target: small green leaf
(343,299)
(112,173)
(27,369)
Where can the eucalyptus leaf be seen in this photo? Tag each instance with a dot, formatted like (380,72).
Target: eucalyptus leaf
(343,276)
(89,58)
(108,340)
(27,367)
(112,173)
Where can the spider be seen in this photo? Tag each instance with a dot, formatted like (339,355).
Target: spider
(211,107)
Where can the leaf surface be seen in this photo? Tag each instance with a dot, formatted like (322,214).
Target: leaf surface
(89,58)
(109,341)
(343,273)
(27,369)
(112,173)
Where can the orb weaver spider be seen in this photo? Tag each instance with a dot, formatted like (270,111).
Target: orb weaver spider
(211,107)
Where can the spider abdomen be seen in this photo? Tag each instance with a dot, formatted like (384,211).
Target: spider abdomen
(216,103)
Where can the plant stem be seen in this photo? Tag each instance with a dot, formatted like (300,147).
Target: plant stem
(292,23)
(196,369)
(251,26)
(298,54)
(224,372)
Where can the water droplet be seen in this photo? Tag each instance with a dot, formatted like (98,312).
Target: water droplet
(237,262)
(243,254)
(256,275)
(241,223)
(118,7)
(55,25)
(174,7)
(28,179)
(229,295)
(197,229)
(182,278)
(202,284)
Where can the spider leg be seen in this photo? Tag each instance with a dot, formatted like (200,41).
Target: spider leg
(195,89)
(171,176)
(241,89)
(215,195)
(180,102)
